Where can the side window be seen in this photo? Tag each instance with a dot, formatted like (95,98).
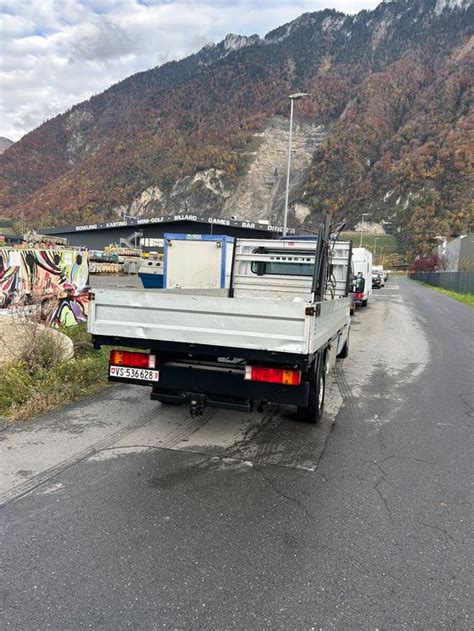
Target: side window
(293,264)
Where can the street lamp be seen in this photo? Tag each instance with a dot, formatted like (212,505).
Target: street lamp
(362,227)
(292,97)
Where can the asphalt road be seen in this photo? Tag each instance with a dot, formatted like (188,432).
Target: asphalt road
(122,513)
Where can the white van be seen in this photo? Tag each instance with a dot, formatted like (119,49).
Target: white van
(362,266)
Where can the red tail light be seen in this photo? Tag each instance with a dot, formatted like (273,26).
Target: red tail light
(358,296)
(134,360)
(285,376)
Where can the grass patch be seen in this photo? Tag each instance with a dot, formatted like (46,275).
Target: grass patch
(27,391)
(388,242)
(467,299)
(386,248)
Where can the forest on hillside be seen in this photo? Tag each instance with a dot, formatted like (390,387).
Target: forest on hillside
(394,85)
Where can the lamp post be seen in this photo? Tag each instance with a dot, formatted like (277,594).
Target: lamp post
(362,227)
(292,97)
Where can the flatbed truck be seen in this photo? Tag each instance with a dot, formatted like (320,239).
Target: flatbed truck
(271,336)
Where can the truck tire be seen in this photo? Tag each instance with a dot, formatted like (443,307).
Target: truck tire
(344,350)
(313,412)
(365,302)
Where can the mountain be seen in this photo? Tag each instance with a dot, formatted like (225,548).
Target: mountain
(387,129)
(5,143)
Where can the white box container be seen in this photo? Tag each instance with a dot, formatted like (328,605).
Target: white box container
(197,261)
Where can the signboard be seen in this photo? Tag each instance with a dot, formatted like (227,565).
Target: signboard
(133,222)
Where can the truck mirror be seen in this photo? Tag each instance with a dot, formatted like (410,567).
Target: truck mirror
(358,284)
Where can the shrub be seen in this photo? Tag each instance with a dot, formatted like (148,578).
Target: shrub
(427,263)
(80,337)
(15,385)
(26,340)
(44,381)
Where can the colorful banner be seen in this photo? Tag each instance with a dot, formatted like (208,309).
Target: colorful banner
(55,279)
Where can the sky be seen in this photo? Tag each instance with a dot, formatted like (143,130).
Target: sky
(55,53)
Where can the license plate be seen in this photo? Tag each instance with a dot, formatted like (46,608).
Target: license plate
(138,374)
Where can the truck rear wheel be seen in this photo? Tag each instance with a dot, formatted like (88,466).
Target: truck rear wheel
(345,349)
(364,302)
(313,412)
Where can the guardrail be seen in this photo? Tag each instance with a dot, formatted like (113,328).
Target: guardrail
(462,282)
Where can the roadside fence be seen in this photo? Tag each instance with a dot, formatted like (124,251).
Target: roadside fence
(462,282)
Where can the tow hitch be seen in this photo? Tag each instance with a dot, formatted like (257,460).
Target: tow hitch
(197,405)
(198,402)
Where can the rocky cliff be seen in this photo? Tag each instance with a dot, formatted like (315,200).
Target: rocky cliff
(5,143)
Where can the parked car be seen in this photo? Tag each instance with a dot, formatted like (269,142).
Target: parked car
(378,269)
(376,280)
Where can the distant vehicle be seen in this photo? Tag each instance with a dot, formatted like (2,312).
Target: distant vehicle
(379,270)
(376,280)
(362,269)
(151,273)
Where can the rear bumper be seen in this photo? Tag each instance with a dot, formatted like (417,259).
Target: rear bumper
(181,349)
(179,382)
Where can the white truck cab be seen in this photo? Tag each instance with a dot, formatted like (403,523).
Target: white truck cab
(362,270)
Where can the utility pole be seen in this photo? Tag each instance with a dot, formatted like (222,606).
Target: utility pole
(362,227)
(375,248)
(292,97)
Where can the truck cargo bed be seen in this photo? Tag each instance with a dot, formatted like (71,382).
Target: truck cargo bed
(259,324)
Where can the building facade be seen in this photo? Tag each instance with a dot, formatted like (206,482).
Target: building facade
(148,232)
(457,254)
(8,234)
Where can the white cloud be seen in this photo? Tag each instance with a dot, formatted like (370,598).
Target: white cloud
(55,53)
